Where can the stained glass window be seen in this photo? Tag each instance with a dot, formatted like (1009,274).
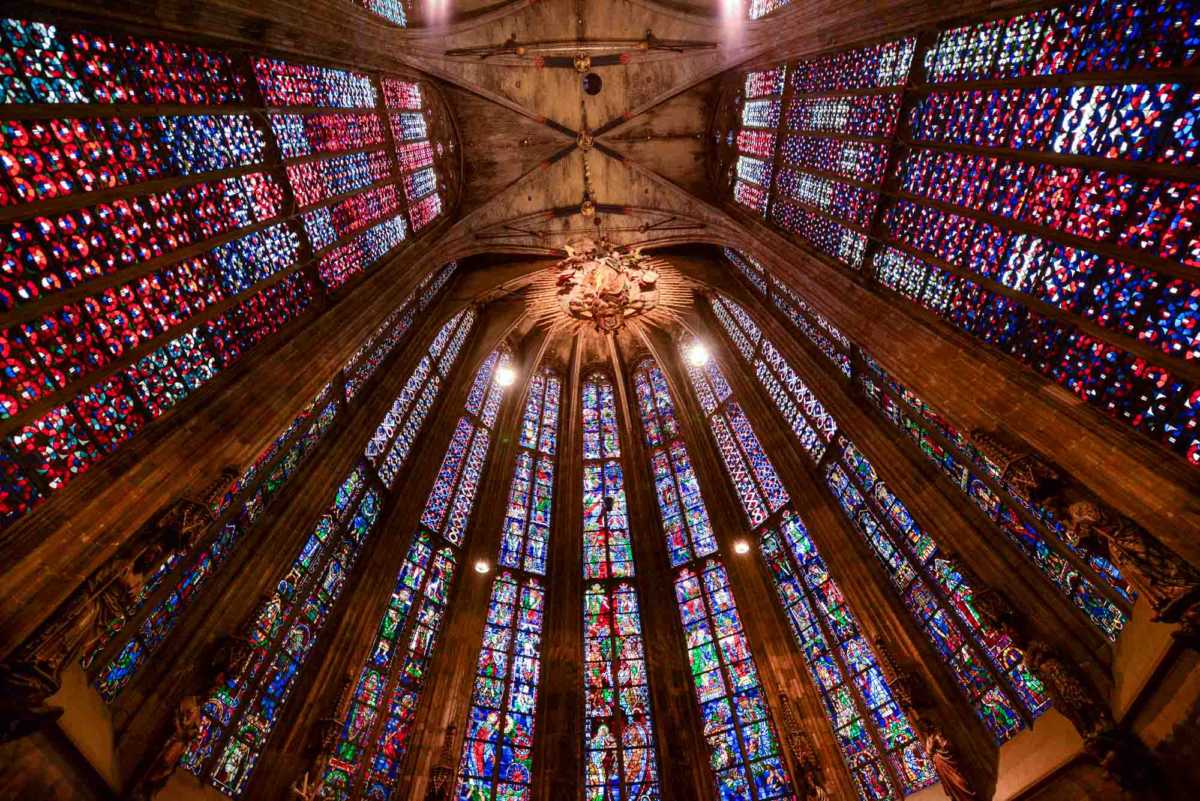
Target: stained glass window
(618,736)
(240,712)
(391,10)
(743,748)
(1048,217)
(607,551)
(1005,695)
(375,729)
(1025,525)
(409,115)
(526,534)
(686,525)
(877,742)
(498,751)
(168,287)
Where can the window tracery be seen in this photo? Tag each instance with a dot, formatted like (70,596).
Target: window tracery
(619,750)
(878,744)
(124,302)
(375,730)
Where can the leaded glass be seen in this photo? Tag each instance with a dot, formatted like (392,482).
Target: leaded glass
(685,520)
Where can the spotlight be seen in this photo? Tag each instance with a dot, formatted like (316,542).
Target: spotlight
(741,546)
(482,566)
(697,355)
(505,376)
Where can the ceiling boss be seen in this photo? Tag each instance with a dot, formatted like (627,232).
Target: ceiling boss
(606,286)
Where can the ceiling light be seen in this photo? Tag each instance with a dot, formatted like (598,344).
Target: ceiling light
(741,546)
(482,566)
(505,376)
(697,355)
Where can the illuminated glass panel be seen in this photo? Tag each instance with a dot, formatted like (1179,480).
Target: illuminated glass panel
(618,736)
(375,729)
(969,470)
(872,731)
(686,525)
(240,712)
(812,425)
(409,117)
(286,84)
(391,10)
(526,535)
(607,550)
(316,181)
(743,747)
(309,134)
(50,64)
(498,750)
(339,264)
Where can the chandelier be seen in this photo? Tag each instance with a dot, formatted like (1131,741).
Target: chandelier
(606,286)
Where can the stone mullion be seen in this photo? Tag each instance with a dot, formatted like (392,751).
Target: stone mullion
(979,387)
(674,709)
(855,567)
(962,521)
(558,748)
(450,675)
(779,666)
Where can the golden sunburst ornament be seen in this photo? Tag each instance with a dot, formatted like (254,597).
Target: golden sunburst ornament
(603,287)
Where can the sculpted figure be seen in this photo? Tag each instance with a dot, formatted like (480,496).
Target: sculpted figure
(184,730)
(1170,584)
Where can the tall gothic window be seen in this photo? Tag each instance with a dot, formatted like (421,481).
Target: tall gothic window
(618,737)
(743,746)
(991,671)
(375,730)
(242,710)
(117,312)
(527,523)
(175,584)
(1044,192)
(1089,580)
(685,518)
(497,757)
(878,744)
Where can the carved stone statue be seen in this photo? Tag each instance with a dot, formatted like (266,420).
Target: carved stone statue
(1023,471)
(1120,753)
(912,694)
(322,741)
(809,775)
(945,763)
(33,673)
(184,730)
(1170,584)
